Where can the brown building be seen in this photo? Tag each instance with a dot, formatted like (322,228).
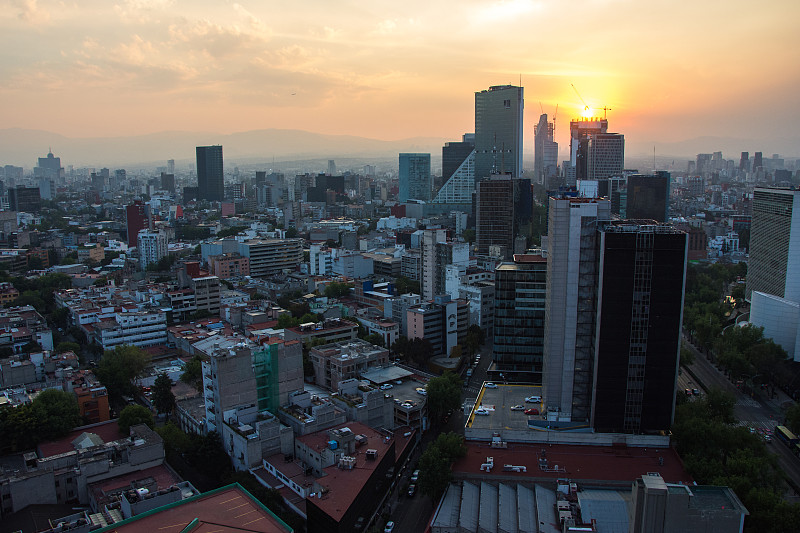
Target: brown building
(228,266)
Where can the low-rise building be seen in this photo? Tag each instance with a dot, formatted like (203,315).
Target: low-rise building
(339,361)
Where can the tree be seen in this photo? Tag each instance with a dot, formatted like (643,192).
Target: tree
(119,368)
(468,235)
(376,339)
(435,463)
(200,314)
(163,399)
(133,415)
(444,394)
(193,373)
(175,439)
(35,263)
(337,290)
(56,413)
(73,347)
(793,418)
(434,473)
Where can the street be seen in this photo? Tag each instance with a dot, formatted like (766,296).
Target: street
(760,415)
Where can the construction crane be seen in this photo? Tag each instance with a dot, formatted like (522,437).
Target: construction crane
(605,109)
(585,105)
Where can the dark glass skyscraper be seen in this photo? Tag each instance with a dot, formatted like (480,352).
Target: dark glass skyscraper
(648,196)
(210,180)
(642,269)
(498,131)
(415,177)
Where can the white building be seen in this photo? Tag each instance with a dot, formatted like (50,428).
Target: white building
(140,328)
(321,260)
(152,247)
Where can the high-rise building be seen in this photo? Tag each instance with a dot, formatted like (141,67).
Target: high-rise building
(774,265)
(136,219)
(272,256)
(170,166)
(454,154)
(757,161)
(648,196)
(437,253)
(415,177)
(744,162)
(498,131)
(503,207)
(49,167)
(580,129)
(210,180)
(604,156)
(570,310)
(545,153)
(26,199)
(641,274)
(168,182)
(152,247)
(519,311)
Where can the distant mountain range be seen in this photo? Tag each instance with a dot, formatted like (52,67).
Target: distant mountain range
(258,148)
(22,147)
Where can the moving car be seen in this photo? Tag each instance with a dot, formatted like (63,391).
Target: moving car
(389,527)
(533,399)
(532,411)
(412,489)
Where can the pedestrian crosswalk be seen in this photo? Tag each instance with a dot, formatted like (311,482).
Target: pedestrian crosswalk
(747,402)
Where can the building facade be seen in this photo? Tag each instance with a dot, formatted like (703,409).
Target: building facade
(152,247)
(210,179)
(415,177)
(498,131)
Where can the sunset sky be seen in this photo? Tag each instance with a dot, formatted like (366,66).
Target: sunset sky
(669,70)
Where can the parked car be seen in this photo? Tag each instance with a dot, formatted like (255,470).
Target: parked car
(696,392)
(412,489)
(422,391)
(688,392)
(386,386)
(532,411)
(533,399)
(490,385)
(481,411)
(518,408)
(389,527)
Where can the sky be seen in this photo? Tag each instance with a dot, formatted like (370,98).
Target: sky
(668,70)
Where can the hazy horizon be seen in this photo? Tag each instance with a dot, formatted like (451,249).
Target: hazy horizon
(668,71)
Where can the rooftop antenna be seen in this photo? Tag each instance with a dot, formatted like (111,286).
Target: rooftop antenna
(654,158)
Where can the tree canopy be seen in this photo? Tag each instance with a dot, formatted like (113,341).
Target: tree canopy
(163,399)
(133,415)
(444,394)
(119,368)
(435,463)
(50,416)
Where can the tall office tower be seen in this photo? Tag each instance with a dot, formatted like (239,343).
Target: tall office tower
(567,365)
(774,265)
(503,209)
(602,156)
(210,179)
(120,179)
(519,310)
(136,219)
(498,131)
(458,170)
(545,153)
(49,167)
(773,273)
(436,253)
(648,196)
(580,129)
(454,153)
(168,182)
(170,166)
(331,167)
(757,161)
(744,162)
(27,199)
(152,247)
(415,177)
(703,163)
(642,269)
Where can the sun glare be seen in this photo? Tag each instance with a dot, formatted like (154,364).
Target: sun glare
(587,112)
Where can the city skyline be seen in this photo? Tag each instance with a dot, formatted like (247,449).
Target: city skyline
(386,71)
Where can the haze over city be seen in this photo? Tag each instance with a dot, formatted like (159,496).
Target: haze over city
(668,71)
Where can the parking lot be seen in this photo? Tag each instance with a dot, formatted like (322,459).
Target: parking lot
(499,401)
